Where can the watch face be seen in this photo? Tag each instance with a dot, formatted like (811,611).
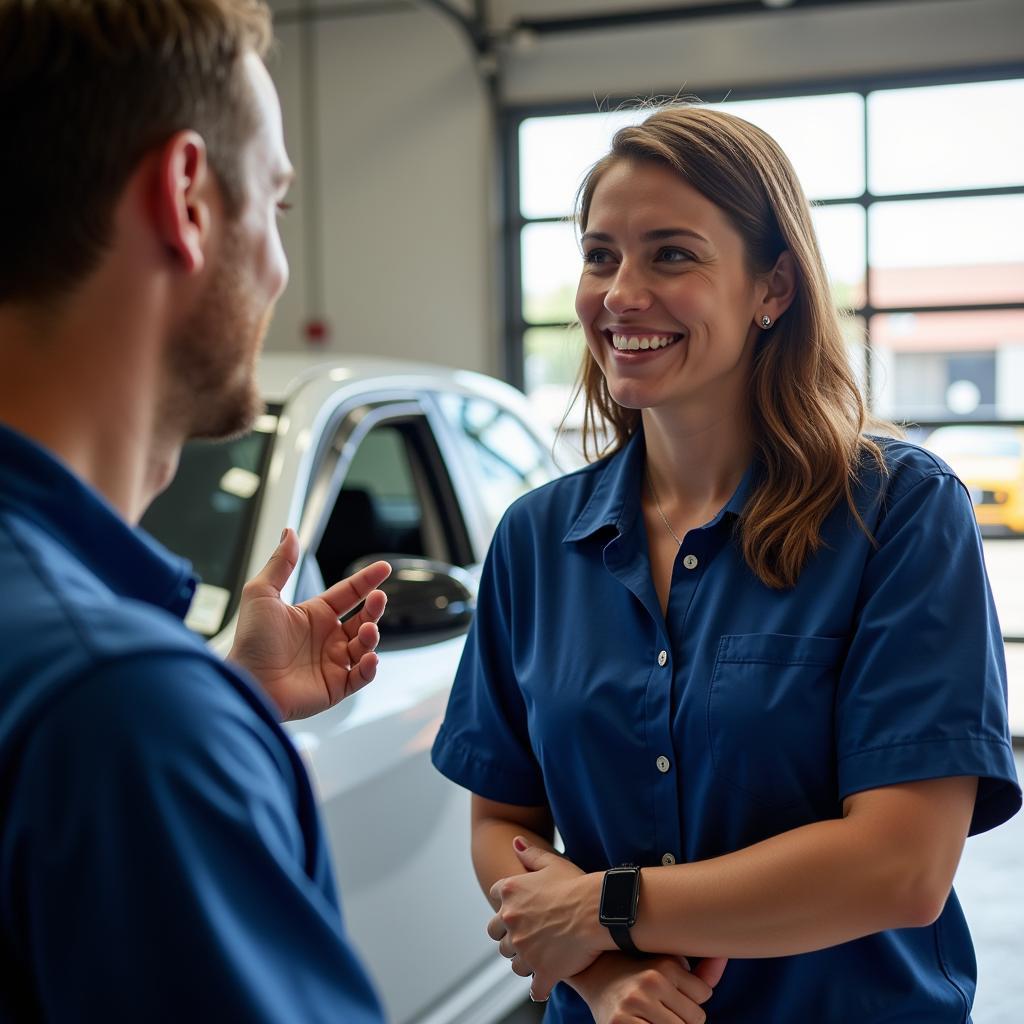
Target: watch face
(618,897)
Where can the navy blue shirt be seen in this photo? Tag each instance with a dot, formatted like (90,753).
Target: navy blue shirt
(161,855)
(744,711)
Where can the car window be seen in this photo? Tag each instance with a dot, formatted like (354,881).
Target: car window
(505,457)
(977,440)
(207,514)
(395,499)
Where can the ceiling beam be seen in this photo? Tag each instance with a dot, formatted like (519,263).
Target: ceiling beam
(690,12)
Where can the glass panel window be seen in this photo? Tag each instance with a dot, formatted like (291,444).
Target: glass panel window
(949,365)
(507,459)
(946,137)
(840,231)
(378,509)
(822,135)
(947,251)
(551,271)
(555,154)
(553,356)
(855,336)
(206,515)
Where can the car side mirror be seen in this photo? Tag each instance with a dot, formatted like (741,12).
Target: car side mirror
(428,601)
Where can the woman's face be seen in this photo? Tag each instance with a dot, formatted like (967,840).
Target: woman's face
(665,298)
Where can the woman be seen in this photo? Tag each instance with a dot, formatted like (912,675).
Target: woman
(752,650)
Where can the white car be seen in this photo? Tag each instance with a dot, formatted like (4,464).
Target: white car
(368,459)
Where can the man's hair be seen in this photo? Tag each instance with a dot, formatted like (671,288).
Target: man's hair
(87,87)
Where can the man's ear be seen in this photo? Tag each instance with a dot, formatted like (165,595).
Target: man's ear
(185,193)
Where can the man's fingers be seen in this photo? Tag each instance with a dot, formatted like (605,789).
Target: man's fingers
(355,679)
(372,610)
(281,564)
(347,593)
(363,672)
(350,652)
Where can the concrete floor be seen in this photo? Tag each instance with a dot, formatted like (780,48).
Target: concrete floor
(990,884)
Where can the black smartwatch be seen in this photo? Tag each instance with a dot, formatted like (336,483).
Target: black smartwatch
(620,893)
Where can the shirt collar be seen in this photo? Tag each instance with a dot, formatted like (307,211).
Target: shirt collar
(35,484)
(615,501)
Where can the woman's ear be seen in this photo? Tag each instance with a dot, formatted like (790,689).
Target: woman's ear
(776,290)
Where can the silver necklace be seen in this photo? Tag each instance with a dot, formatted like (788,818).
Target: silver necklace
(657,505)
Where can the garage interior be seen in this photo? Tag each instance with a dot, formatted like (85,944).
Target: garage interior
(404,122)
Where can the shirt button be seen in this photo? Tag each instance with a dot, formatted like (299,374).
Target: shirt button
(663,658)
(663,764)
(667,859)
(690,561)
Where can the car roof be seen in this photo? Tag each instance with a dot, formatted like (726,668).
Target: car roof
(280,374)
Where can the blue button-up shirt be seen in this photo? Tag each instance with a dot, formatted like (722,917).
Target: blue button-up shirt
(744,711)
(161,856)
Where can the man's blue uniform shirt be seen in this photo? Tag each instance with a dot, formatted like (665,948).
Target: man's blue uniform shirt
(744,712)
(161,855)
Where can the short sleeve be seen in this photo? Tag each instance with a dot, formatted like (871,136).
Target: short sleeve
(923,689)
(483,743)
(160,863)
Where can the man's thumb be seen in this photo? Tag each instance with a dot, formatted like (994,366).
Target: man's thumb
(282,562)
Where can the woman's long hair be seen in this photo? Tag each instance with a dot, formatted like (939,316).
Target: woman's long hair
(806,410)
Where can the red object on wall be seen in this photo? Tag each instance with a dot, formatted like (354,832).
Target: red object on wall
(317,332)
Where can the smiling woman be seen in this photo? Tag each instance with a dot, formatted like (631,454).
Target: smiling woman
(718,659)
(740,252)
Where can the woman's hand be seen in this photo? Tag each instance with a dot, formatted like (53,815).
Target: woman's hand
(542,918)
(661,990)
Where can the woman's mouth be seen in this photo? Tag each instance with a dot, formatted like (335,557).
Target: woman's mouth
(640,342)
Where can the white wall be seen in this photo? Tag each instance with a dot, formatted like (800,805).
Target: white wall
(404,237)
(402,158)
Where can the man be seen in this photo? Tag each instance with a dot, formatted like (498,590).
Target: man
(161,855)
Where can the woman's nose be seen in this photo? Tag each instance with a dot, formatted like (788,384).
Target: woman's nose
(627,292)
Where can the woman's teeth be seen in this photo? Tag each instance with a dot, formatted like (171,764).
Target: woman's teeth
(633,342)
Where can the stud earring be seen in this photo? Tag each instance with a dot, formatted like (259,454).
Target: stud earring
(766,321)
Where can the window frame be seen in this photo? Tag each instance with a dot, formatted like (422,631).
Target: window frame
(516,325)
(513,116)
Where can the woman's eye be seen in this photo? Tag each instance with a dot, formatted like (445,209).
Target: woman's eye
(673,255)
(597,256)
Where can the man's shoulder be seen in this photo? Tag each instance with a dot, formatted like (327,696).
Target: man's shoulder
(61,625)
(52,599)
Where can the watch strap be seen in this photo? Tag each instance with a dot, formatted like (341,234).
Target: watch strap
(623,939)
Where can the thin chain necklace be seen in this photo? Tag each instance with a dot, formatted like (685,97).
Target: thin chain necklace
(657,505)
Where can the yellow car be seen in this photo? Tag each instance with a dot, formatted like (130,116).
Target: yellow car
(990,461)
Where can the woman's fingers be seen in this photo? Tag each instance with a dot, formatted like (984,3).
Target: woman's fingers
(711,969)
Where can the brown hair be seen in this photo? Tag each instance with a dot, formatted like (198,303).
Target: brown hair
(807,412)
(86,88)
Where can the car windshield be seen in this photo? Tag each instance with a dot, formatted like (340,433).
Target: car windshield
(207,515)
(984,441)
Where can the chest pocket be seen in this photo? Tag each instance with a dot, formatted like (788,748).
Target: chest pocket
(770,716)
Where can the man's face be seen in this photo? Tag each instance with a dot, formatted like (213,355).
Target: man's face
(214,353)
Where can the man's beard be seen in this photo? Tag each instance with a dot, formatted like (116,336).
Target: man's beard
(213,392)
